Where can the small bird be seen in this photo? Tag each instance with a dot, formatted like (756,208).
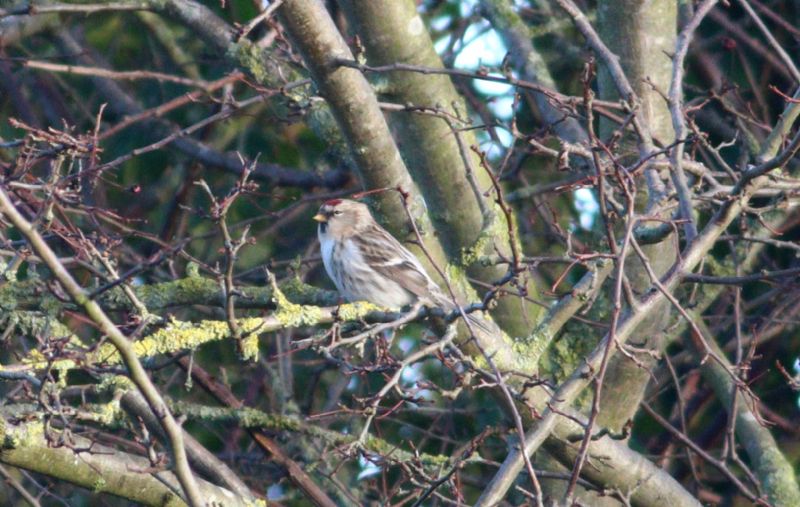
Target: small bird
(368,264)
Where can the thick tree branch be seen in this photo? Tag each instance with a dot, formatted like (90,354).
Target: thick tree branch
(439,151)
(773,469)
(102,469)
(527,58)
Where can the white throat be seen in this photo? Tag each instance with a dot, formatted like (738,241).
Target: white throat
(326,246)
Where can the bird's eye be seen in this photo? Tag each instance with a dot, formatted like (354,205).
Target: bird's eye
(337,212)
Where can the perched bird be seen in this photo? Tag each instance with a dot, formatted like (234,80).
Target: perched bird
(367,263)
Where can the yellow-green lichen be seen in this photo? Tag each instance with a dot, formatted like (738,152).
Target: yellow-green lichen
(44,326)
(252,418)
(8,299)
(29,434)
(529,350)
(293,315)
(175,337)
(250,347)
(63,370)
(457,277)
(108,414)
(251,58)
(10,275)
(190,289)
(495,232)
(246,417)
(36,360)
(566,353)
(357,310)
(297,290)
(180,335)
(473,253)
(115,383)
(193,270)
(99,484)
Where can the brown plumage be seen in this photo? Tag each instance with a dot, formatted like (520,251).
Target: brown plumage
(367,263)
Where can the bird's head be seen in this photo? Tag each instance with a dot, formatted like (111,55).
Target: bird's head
(342,217)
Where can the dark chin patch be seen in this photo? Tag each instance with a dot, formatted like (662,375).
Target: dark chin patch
(323,227)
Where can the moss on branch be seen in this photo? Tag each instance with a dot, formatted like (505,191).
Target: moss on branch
(247,417)
(102,470)
(178,336)
(190,290)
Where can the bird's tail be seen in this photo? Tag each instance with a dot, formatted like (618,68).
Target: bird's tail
(480,323)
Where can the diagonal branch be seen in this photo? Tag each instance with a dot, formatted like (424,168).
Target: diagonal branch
(581,377)
(679,122)
(102,469)
(120,342)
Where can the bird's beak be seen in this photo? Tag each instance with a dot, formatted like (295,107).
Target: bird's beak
(319,217)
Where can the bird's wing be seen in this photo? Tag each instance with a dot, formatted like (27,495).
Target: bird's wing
(400,266)
(404,268)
